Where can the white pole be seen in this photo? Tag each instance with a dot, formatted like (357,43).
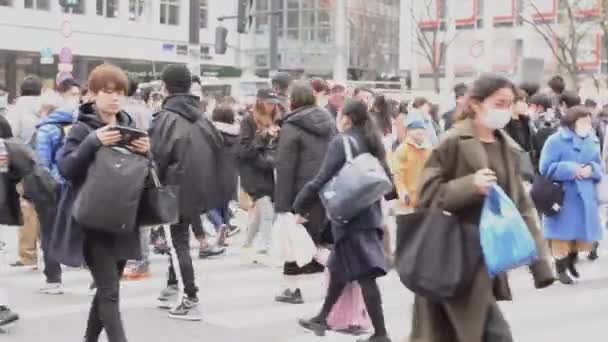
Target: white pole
(340,62)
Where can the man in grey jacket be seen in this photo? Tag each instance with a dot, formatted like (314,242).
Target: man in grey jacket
(25,114)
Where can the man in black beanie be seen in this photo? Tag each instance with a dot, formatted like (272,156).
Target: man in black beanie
(185,146)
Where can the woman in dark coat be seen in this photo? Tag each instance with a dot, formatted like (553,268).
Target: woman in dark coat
(475,154)
(359,251)
(303,141)
(105,254)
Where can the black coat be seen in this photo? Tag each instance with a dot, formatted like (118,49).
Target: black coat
(73,162)
(228,161)
(186,147)
(256,156)
(359,250)
(522,132)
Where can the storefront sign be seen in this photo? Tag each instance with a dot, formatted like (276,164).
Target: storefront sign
(46,56)
(182,50)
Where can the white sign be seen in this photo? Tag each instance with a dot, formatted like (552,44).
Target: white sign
(47,60)
(64,67)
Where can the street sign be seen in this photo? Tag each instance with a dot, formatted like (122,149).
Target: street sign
(62,76)
(46,56)
(65,67)
(65,55)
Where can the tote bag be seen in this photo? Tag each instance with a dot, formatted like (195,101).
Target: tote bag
(505,239)
(108,201)
(159,203)
(547,195)
(361,182)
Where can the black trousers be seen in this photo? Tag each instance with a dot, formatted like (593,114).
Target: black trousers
(180,234)
(106,271)
(197,227)
(52,269)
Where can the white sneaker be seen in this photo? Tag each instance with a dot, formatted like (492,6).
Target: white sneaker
(52,289)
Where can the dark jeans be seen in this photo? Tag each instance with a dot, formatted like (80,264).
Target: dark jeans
(180,235)
(197,227)
(219,216)
(106,272)
(52,269)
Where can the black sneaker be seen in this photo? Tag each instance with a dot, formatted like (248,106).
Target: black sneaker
(187,310)
(290,297)
(7,316)
(593,254)
(313,267)
(210,251)
(315,325)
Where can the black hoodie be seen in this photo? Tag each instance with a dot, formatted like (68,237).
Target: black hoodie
(303,141)
(185,146)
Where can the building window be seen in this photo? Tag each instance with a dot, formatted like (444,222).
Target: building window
(107,8)
(79,9)
(169,12)
(7,3)
(137,10)
(204,13)
(262,6)
(42,5)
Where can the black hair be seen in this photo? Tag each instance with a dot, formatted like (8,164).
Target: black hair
(460,90)
(573,114)
(403,106)
(357,112)
(223,113)
(177,79)
(66,85)
(383,114)
(590,103)
(570,98)
(133,84)
(31,86)
(557,84)
(485,86)
(542,100)
(530,88)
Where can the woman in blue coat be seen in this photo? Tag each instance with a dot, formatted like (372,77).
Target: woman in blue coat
(571,157)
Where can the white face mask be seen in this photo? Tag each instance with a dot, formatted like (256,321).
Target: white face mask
(496,118)
(583,131)
(4,102)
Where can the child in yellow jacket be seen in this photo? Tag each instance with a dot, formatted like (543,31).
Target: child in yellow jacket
(408,162)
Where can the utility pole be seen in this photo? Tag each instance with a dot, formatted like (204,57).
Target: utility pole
(274,37)
(340,62)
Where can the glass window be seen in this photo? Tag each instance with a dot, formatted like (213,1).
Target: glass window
(8,3)
(137,10)
(204,13)
(293,4)
(308,18)
(324,18)
(308,4)
(293,19)
(79,9)
(293,34)
(107,8)
(261,5)
(308,35)
(261,23)
(169,12)
(43,5)
(324,35)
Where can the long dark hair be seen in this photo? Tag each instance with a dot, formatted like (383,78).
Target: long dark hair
(383,114)
(357,112)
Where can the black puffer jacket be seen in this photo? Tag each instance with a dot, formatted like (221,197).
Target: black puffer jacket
(256,160)
(186,147)
(228,162)
(303,141)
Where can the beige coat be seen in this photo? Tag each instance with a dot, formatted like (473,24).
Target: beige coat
(449,175)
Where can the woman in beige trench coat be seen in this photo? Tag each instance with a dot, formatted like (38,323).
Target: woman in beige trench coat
(471,157)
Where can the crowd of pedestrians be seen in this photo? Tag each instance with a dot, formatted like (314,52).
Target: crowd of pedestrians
(276,159)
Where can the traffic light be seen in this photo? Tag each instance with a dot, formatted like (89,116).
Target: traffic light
(221,33)
(69,3)
(244,17)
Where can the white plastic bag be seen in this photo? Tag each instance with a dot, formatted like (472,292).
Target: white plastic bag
(291,242)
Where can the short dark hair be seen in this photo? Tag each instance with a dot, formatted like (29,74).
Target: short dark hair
(302,95)
(223,113)
(133,84)
(419,102)
(573,115)
(530,88)
(337,88)
(460,90)
(590,103)
(196,79)
(541,100)
(570,98)
(319,85)
(31,86)
(66,85)
(106,75)
(146,93)
(177,79)
(557,84)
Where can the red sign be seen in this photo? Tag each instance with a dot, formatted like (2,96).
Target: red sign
(66,56)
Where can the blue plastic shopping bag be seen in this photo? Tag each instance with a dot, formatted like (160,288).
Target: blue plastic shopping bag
(505,239)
